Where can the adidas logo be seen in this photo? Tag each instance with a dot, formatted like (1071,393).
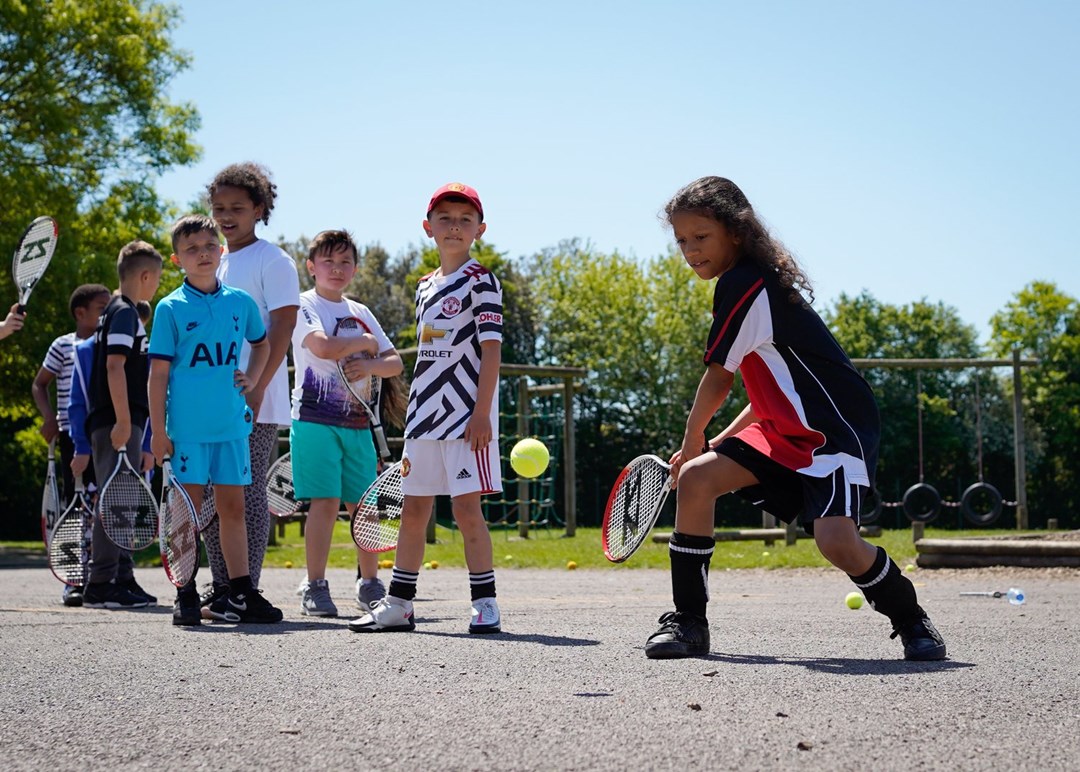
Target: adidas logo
(464,475)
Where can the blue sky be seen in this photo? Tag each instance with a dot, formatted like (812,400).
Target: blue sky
(915,150)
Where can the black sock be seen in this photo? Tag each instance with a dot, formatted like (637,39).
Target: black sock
(403,584)
(889,591)
(240,586)
(482,585)
(358,574)
(690,556)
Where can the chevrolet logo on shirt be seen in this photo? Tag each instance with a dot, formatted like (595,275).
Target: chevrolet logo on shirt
(429,333)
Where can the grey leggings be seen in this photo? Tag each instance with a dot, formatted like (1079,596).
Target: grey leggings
(262,442)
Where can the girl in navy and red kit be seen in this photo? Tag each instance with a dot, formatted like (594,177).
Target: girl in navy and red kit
(806,444)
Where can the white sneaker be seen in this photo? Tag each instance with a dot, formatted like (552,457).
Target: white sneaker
(302,587)
(485,616)
(316,601)
(370,593)
(389,615)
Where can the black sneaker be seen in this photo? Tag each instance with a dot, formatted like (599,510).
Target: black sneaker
(111,596)
(922,641)
(251,607)
(186,610)
(680,635)
(133,587)
(73,596)
(212,592)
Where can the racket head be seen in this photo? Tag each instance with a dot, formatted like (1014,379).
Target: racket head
(376,519)
(280,494)
(69,542)
(177,533)
(50,497)
(635,503)
(208,511)
(33,255)
(127,508)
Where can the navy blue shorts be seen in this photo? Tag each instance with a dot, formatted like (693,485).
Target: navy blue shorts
(789,495)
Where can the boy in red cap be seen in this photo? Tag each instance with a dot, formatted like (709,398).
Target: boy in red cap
(451,429)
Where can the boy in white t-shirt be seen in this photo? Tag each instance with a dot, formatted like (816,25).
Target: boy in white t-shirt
(241,196)
(452,427)
(333,456)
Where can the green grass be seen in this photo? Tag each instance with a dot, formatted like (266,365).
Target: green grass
(550,549)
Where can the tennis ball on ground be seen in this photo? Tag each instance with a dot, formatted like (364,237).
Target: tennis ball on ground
(427,565)
(508,557)
(909,567)
(529,457)
(288,564)
(434,564)
(854,600)
(570,565)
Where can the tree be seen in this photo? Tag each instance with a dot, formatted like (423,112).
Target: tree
(84,129)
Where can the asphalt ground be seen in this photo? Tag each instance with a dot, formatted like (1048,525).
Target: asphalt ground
(795,679)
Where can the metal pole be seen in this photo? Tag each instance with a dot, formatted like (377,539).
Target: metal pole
(1019,445)
(569,460)
(523,431)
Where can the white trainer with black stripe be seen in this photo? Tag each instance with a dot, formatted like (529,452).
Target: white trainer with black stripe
(389,615)
(485,616)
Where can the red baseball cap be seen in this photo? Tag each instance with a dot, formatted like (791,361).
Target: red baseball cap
(457,189)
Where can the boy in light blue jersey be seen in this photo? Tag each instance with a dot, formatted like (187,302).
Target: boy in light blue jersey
(197,408)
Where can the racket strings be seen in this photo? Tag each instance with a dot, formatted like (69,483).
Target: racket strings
(128,511)
(69,548)
(35,252)
(634,507)
(280,493)
(179,540)
(377,519)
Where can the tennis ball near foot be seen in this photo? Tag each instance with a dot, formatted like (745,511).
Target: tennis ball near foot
(427,565)
(529,457)
(434,564)
(854,600)
(570,565)
(288,564)
(909,567)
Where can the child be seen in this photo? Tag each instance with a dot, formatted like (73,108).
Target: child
(240,196)
(333,453)
(806,444)
(117,413)
(451,431)
(86,304)
(13,322)
(197,409)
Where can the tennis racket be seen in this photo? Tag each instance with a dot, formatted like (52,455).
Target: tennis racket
(367,389)
(69,542)
(127,507)
(32,257)
(376,519)
(177,531)
(634,505)
(280,494)
(50,497)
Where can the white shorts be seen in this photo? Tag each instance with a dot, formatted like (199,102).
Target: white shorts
(441,467)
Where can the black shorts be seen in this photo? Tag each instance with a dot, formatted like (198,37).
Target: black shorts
(789,495)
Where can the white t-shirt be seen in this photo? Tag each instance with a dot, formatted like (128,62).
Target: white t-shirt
(268,274)
(454,315)
(319,396)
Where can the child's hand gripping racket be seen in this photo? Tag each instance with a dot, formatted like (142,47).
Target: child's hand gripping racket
(32,257)
(367,389)
(50,497)
(634,505)
(377,517)
(177,529)
(69,541)
(127,507)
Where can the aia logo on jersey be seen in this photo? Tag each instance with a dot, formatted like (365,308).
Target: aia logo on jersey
(219,356)
(451,306)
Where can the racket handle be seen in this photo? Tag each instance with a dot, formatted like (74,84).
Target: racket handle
(22,309)
(380,440)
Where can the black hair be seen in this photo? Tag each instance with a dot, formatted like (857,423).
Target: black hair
(190,224)
(722,200)
(84,295)
(252,177)
(329,242)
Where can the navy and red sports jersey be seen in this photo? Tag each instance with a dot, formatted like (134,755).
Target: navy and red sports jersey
(816,412)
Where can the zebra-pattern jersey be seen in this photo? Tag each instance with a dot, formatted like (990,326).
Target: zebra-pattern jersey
(454,315)
(58,361)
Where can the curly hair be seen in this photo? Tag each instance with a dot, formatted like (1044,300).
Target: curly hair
(722,200)
(252,177)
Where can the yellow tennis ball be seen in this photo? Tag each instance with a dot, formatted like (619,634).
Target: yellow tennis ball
(909,567)
(854,600)
(570,565)
(288,564)
(434,564)
(427,565)
(529,457)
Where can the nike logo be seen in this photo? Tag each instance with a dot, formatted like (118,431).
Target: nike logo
(241,606)
(192,325)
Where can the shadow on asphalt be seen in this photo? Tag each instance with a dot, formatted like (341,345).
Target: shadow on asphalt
(275,628)
(543,640)
(842,665)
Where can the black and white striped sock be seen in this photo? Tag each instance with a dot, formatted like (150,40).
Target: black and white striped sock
(482,585)
(403,583)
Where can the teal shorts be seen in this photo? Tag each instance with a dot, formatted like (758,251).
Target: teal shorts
(331,462)
(221,463)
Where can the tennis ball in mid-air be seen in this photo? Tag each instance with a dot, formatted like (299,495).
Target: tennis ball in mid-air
(854,600)
(529,457)
(570,565)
